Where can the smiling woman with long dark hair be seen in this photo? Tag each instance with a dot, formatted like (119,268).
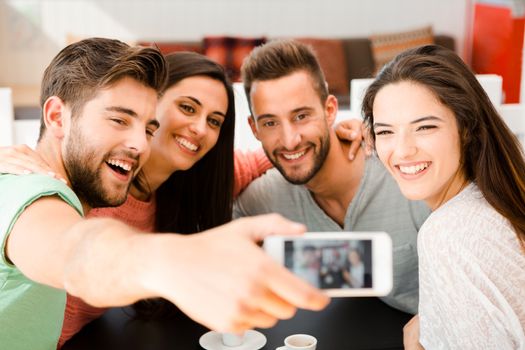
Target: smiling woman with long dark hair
(440,137)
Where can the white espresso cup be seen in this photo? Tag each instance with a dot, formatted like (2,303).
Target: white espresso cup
(232,339)
(299,342)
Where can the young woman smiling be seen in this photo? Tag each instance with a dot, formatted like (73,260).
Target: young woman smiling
(437,133)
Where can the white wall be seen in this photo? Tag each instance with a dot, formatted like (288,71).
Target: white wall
(6,117)
(32,31)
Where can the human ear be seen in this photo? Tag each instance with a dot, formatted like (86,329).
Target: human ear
(53,116)
(331,108)
(253,126)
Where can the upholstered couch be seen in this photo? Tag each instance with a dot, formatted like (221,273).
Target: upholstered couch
(341,59)
(360,61)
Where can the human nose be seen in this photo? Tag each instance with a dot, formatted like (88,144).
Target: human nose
(198,126)
(290,137)
(405,145)
(138,141)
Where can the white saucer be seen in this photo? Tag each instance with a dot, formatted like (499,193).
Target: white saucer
(252,340)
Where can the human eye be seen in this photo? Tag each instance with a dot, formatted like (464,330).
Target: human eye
(118,121)
(215,122)
(301,116)
(426,127)
(382,132)
(269,123)
(187,108)
(150,131)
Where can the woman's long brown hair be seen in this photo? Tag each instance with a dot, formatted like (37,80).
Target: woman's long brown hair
(201,197)
(491,154)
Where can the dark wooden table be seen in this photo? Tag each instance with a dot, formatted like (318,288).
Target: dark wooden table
(346,324)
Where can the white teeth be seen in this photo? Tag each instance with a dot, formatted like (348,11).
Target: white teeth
(120,164)
(293,156)
(187,144)
(411,170)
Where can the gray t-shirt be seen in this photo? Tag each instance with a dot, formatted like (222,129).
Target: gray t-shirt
(377,206)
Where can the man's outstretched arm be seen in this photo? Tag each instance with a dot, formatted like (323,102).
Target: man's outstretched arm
(220,277)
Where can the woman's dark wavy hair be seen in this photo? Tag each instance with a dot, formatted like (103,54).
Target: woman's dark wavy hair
(491,155)
(201,197)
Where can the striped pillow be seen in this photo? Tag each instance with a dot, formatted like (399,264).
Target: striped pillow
(387,46)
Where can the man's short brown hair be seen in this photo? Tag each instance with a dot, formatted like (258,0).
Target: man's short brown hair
(81,69)
(280,58)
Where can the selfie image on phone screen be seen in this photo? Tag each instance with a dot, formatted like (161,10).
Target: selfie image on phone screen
(331,264)
(342,264)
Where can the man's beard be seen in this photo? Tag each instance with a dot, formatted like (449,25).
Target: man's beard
(86,181)
(319,159)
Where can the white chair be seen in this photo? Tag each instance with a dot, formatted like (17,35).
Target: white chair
(26,132)
(244,138)
(493,86)
(514,116)
(6,117)
(357,92)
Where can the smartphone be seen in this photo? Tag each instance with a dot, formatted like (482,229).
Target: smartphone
(344,264)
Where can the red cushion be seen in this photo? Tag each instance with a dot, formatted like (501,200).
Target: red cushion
(230,52)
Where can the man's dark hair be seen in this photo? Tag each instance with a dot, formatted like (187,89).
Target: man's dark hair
(280,58)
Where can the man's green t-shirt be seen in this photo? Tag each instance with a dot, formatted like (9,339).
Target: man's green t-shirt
(31,314)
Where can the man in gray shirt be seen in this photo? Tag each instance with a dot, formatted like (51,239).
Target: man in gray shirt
(314,182)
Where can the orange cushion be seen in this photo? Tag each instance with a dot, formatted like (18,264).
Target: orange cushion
(387,46)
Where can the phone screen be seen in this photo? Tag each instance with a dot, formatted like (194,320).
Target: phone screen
(331,264)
